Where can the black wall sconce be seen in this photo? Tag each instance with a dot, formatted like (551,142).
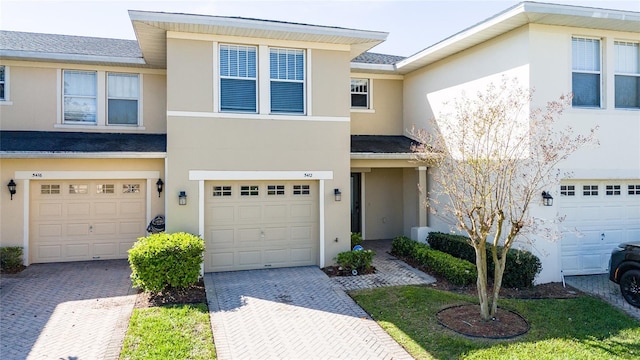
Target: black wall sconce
(182,198)
(159,185)
(12,188)
(337,194)
(547,199)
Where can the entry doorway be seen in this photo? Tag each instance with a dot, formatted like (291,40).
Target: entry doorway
(356,203)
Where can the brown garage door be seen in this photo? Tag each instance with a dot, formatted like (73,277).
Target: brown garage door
(83,220)
(260,224)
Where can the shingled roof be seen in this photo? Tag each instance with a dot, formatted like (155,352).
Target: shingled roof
(80,142)
(376,58)
(381,144)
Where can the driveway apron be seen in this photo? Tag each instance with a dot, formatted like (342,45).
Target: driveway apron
(291,313)
(76,310)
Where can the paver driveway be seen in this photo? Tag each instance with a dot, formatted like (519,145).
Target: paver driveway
(291,313)
(65,311)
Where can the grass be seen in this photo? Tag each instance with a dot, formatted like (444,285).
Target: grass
(169,332)
(581,328)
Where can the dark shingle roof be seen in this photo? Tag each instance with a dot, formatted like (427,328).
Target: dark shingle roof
(67,44)
(64,142)
(381,144)
(375,58)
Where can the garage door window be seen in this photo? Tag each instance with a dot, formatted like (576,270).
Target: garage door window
(222,190)
(50,189)
(249,190)
(130,188)
(613,190)
(634,190)
(275,189)
(105,189)
(301,190)
(590,190)
(78,189)
(567,190)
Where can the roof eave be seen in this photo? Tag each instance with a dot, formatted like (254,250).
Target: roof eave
(373,68)
(382,156)
(80,155)
(74,58)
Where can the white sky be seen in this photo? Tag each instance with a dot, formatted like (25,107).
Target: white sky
(412,25)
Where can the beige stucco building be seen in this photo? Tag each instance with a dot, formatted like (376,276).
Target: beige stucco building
(276,157)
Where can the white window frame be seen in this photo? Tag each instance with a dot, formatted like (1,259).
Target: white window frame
(368,106)
(625,74)
(95,97)
(137,99)
(6,100)
(303,81)
(220,77)
(593,72)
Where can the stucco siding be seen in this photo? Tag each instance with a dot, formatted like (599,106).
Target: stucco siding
(329,78)
(190,75)
(385,115)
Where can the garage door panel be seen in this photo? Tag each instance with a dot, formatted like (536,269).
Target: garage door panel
(221,237)
(276,212)
(275,234)
(302,255)
(276,257)
(101,222)
(250,258)
(221,214)
(301,211)
(250,213)
(301,232)
(249,236)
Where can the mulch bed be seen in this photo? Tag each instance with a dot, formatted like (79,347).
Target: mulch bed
(194,294)
(332,271)
(466,320)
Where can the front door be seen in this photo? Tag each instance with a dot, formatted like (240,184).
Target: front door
(356,201)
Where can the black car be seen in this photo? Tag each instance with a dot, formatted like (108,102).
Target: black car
(624,269)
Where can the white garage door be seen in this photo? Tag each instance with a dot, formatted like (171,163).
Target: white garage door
(83,220)
(260,224)
(599,216)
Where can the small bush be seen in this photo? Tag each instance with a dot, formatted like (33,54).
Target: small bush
(356,239)
(11,259)
(356,260)
(457,271)
(521,266)
(161,261)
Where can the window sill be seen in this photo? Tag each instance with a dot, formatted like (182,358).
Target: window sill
(6,103)
(368,111)
(98,127)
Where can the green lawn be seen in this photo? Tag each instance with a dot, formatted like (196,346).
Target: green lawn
(581,328)
(169,332)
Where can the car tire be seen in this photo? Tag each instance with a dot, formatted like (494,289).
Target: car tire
(630,287)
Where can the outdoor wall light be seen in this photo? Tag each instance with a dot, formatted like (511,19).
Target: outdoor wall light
(547,199)
(182,198)
(159,184)
(337,194)
(12,188)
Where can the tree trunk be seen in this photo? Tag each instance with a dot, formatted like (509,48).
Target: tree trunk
(497,280)
(481,265)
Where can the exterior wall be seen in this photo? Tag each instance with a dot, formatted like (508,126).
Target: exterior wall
(35,83)
(190,75)
(12,217)
(329,95)
(385,115)
(384,211)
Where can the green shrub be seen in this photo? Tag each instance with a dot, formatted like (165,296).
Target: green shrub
(161,261)
(359,260)
(521,266)
(356,239)
(457,271)
(11,258)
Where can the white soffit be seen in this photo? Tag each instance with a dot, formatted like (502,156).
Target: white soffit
(151,28)
(517,16)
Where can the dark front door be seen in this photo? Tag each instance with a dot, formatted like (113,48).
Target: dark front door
(356,201)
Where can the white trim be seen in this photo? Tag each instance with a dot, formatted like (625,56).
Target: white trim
(60,65)
(256,41)
(80,155)
(308,94)
(264,82)
(100,127)
(363,208)
(140,102)
(7,86)
(363,110)
(260,175)
(216,76)
(85,175)
(605,174)
(59,96)
(201,114)
(34,55)
(376,76)
(27,176)
(201,219)
(101,99)
(321,232)
(383,156)
(373,67)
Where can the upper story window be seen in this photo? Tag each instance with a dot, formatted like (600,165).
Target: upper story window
(627,75)
(238,78)
(360,93)
(2,83)
(585,78)
(122,94)
(79,92)
(287,76)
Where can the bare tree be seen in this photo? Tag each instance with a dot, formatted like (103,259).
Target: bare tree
(498,154)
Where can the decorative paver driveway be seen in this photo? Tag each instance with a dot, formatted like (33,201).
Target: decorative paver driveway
(291,313)
(600,286)
(65,311)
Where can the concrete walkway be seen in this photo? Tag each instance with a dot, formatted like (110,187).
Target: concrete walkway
(600,286)
(65,311)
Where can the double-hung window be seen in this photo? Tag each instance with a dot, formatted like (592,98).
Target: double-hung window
(586,81)
(122,99)
(79,94)
(627,75)
(360,93)
(3,96)
(287,80)
(238,78)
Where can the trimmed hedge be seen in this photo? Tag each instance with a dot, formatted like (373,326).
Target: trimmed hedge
(359,260)
(521,266)
(457,271)
(11,258)
(356,239)
(161,261)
